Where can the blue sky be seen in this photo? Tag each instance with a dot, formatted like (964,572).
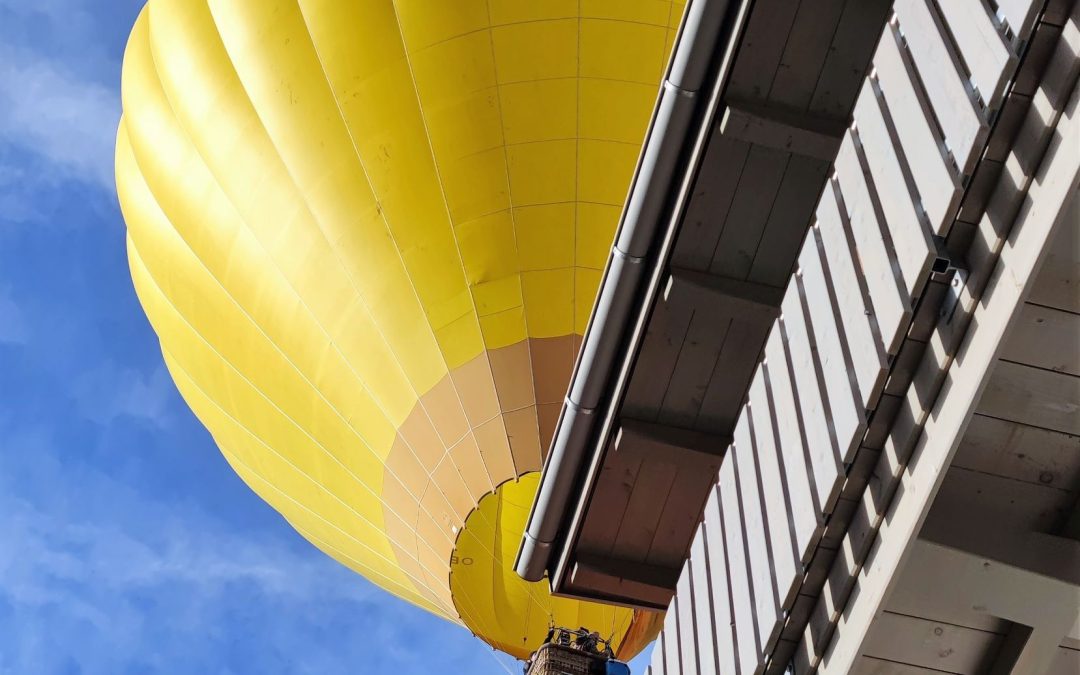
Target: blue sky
(127,545)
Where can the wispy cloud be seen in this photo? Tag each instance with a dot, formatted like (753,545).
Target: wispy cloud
(13,328)
(66,121)
(45,557)
(98,576)
(109,391)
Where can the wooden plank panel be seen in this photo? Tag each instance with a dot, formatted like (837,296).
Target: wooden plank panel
(747,641)
(761,50)
(731,376)
(1005,502)
(914,597)
(824,456)
(930,644)
(937,182)
(723,613)
(987,56)
(868,358)
(1032,396)
(946,87)
(663,340)
(754,199)
(684,606)
(681,515)
(889,304)
(788,220)
(1067,662)
(639,522)
(1058,281)
(755,525)
(867,665)
(848,58)
(910,237)
(1020,452)
(846,414)
(804,54)
(707,214)
(613,489)
(693,368)
(806,513)
(787,568)
(704,615)
(1046,338)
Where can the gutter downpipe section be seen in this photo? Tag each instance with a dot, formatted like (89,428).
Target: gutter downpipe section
(705,28)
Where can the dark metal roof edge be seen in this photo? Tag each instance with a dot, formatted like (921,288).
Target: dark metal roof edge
(670,157)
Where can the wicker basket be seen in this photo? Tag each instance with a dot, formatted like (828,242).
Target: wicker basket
(552,659)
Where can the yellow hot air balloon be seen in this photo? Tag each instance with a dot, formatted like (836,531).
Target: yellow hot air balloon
(369,234)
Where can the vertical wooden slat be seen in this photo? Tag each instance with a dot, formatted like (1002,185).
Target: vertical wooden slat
(846,413)
(806,514)
(704,614)
(891,307)
(684,591)
(659,650)
(1020,15)
(723,614)
(786,564)
(672,662)
(910,239)
(867,353)
(749,648)
(755,526)
(982,46)
(946,86)
(824,459)
(937,181)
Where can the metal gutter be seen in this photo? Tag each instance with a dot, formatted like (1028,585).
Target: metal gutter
(670,158)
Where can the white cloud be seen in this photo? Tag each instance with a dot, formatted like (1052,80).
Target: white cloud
(43,557)
(71,124)
(108,391)
(13,328)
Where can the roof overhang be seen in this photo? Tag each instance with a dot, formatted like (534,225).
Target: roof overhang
(750,115)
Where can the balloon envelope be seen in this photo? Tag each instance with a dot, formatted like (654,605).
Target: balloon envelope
(369,235)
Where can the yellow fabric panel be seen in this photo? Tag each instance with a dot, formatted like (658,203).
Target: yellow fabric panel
(616,110)
(489,248)
(542,110)
(586,284)
(535,50)
(515,11)
(272,411)
(593,242)
(604,170)
(655,12)
(502,329)
(289,83)
(485,596)
(333,522)
(603,55)
(212,106)
(208,226)
(549,302)
(545,236)
(343,216)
